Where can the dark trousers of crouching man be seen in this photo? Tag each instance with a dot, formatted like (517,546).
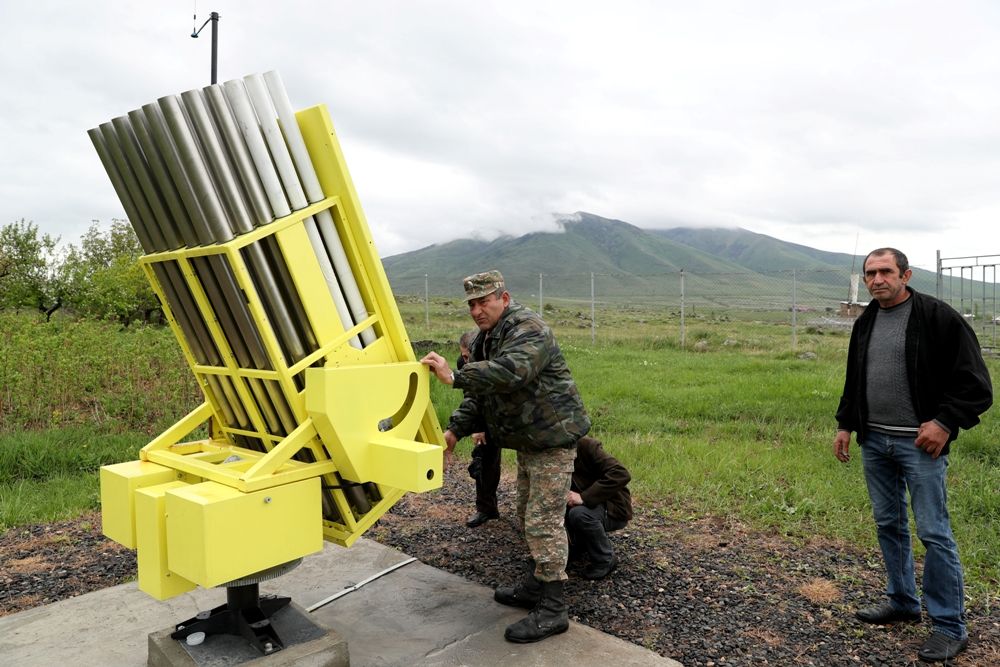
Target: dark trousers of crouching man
(588,529)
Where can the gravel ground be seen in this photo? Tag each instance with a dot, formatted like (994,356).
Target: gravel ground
(704,591)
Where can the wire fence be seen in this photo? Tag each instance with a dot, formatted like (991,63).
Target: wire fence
(798,297)
(969,284)
(794,296)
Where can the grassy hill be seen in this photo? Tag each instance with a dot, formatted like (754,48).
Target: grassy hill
(721,266)
(761,253)
(627,259)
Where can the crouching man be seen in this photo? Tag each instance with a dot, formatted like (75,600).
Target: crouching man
(598,503)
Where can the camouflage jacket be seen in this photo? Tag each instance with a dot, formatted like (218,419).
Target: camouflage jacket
(518,387)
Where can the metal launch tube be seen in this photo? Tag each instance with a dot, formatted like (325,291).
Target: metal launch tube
(150,231)
(246,121)
(229,303)
(197,232)
(196,340)
(175,225)
(125,184)
(118,183)
(203,204)
(217,228)
(133,154)
(314,193)
(278,151)
(239,155)
(237,216)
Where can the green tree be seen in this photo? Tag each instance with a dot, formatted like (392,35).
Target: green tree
(27,268)
(103,278)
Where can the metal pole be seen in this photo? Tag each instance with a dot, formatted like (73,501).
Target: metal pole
(214,18)
(540,304)
(427,304)
(593,321)
(682,309)
(795,309)
(939,276)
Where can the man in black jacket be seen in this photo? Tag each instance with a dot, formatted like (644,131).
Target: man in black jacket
(598,503)
(915,377)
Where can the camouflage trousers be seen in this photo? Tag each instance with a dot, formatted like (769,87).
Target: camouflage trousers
(543,479)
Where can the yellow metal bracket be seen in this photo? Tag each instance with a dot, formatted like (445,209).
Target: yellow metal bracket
(368,416)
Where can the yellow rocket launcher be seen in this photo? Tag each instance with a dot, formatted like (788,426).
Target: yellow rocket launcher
(317,412)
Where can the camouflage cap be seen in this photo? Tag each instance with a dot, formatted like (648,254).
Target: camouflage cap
(481,284)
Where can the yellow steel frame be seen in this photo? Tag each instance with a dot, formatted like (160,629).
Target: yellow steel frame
(218,458)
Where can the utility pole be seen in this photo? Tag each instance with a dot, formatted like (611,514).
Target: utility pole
(213,18)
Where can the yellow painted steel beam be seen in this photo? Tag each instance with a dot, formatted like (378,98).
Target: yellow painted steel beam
(310,282)
(180,430)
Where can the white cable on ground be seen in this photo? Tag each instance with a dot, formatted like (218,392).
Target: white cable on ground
(351,589)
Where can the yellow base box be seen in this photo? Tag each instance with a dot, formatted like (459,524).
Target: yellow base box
(118,485)
(216,534)
(155,577)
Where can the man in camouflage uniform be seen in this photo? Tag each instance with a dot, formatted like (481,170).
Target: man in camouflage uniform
(519,389)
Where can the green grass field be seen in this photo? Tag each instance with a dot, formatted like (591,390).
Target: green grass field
(741,428)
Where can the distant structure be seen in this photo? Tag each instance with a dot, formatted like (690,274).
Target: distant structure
(852,307)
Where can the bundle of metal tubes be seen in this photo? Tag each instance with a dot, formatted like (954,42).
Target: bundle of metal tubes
(201,168)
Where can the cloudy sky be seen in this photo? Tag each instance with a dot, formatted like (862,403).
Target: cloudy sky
(857,123)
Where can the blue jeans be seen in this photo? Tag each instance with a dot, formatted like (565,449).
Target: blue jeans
(894,465)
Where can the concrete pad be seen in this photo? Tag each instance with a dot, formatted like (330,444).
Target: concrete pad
(416,615)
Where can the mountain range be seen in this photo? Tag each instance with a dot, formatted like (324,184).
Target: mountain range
(628,261)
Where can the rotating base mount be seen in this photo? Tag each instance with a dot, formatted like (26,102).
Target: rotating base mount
(246,612)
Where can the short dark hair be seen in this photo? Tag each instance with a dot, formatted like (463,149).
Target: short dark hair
(901,261)
(466,339)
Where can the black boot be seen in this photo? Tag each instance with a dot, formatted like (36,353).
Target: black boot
(549,618)
(525,593)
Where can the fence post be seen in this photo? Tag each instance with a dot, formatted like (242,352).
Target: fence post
(427,304)
(940,277)
(795,311)
(541,310)
(682,309)
(593,321)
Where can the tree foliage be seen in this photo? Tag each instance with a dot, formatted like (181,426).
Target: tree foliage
(99,278)
(27,263)
(103,276)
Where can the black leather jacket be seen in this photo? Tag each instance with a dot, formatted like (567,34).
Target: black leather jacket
(948,378)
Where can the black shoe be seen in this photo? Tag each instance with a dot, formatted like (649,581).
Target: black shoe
(479,518)
(884,614)
(549,617)
(940,647)
(526,593)
(600,570)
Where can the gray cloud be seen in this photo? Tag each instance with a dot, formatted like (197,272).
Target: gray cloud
(820,123)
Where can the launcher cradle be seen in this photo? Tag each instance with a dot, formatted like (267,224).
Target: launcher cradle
(318,415)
